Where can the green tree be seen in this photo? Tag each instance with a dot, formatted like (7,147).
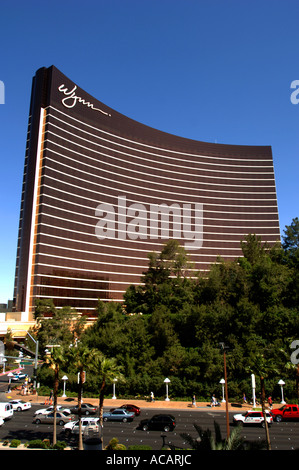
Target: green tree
(82,359)
(166,281)
(291,237)
(63,327)
(56,360)
(263,368)
(107,370)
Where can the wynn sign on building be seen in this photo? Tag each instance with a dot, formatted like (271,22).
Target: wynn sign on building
(101,191)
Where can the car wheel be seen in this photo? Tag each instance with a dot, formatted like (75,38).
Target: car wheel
(105,419)
(263,424)
(125,420)
(67,433)
(37,421)
(278,419)
(166,428)
(19,408)
(86,413)
(145,427)
(61,422)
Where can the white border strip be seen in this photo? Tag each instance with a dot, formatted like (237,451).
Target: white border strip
(34,208)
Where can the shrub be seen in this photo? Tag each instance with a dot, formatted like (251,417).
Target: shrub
(60,445)
(114,445)
(37,444)
(140,447)
(15,443)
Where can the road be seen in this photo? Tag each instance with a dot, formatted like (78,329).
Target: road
(284,436)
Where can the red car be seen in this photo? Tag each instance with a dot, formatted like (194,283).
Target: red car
(285,413)
(130,408)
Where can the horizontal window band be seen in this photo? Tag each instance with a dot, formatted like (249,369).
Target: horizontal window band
(83,124)
(159,162)
(271,188)
(133,201)
(152,197)
(147,225)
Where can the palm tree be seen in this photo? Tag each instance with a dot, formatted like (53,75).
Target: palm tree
(108,370)
(235,441)
(262,368)
(56,360)
(81,358)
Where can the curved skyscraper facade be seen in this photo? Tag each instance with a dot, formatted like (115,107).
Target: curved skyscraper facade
(101,191)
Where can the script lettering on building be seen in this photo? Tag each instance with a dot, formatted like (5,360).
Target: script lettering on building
(137,222)
(71,99)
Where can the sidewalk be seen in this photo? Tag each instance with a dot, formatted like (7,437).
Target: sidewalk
(115,403)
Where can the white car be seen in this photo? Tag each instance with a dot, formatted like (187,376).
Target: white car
(49,409)
(20,405)
(18,376)
(252,417)
(87,423)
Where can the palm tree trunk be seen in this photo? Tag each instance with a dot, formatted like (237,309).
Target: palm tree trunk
(297,383)
(101,405)
(264,413)
(55,393)
(80,443)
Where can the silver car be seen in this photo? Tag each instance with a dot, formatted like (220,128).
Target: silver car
(61,418)
(118,415)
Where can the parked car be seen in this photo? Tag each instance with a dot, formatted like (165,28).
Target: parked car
(86,409)
(160,422)
(16,376)
(252,417)
(86,423)
(49,409)
(130,408)
(118,415)
(61,418)
(285,413)
(20,405)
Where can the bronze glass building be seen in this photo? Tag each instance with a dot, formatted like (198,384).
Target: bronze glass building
(101,191)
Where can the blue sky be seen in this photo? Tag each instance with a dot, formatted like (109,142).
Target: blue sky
(209,70)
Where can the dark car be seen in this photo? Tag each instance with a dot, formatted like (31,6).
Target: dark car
(86,409)
(130,408)
(160,422)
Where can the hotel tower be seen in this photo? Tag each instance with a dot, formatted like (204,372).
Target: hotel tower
(100,191)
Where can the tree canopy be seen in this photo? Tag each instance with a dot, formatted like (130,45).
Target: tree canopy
(172,324)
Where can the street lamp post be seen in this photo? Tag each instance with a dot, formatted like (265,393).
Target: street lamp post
(253,389)
(222,382)
(282,383)
(64,378)
(114,382)
(166,381)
